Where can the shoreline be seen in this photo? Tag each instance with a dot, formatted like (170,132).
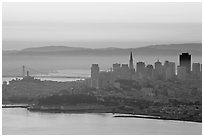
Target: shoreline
(116,114)
(158,118)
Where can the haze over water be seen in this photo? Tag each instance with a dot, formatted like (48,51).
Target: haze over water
(80,65)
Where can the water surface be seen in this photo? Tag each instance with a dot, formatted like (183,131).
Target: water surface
(20,121)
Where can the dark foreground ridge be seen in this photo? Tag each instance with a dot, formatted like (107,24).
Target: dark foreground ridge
(118,112)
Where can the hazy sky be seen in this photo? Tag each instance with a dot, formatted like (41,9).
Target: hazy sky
(101,22)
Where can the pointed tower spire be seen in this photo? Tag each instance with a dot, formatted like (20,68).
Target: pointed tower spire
(131,61)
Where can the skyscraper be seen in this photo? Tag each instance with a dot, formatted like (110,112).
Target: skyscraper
(131,63)
(185,61)
(169,70)
(125,72)
(94,76)
(23,72)
(149,71)
(116,67)
(104,79)
(181,72)
(116,71)
(158,70)
(196,69)
(141,70)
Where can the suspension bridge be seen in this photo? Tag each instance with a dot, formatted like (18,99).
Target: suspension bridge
(24,71)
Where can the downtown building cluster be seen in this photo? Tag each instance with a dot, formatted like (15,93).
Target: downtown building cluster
(163,72)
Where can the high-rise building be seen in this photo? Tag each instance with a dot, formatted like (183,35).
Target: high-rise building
(23,72)
(196,69)
(141,70)
(131,66)
(116,67)
(149,71)
(125,72)
(166,64)
(94,76)
(169,70)
(185,61)
(116,71)
(158,73)
(165,69)
(104,79)
(181,72)
(173,68)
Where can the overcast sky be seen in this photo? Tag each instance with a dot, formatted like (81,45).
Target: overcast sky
(101,22)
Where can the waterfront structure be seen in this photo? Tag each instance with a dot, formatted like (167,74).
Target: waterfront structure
(94,76)
(185,61)
(181,72)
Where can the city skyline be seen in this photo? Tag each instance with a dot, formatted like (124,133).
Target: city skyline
(181,62)
(159,71)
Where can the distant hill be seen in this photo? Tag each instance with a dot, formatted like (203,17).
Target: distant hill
(167,49)
(186,46)
(9,52)
(52,49)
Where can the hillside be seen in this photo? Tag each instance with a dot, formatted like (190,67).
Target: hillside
(168,49)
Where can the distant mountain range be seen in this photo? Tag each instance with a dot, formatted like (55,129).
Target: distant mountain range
(167,49)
